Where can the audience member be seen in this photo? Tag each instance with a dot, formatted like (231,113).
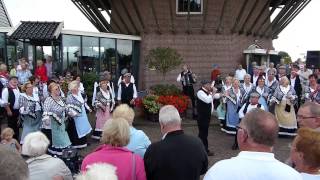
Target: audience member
(309,115)
(139,141)
(115,136)
(256,136)
(99,171)
(8,141)
(23,74)
(41,165)
(177,156)
(12,166)
(305,153)
(240,73)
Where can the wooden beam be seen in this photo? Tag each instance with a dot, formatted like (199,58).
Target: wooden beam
(103,28)
(204,20)
(100,16)
(267,17)
(291,18)
(188,18)
(218,31)
(114,9)
(255,22)
(277,18)
(153,11)
(96,24)
(109,14)
(171,16)
(248,16)
(129,17)
(135,6)
(233,30)
(85,14)
(286,16)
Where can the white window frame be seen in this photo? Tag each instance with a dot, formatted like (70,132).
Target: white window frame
(184,13)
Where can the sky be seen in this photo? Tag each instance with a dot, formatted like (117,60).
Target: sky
(302,34)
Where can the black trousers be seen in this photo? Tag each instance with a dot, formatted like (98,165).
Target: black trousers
(203,126)
(189,91)
(13,122)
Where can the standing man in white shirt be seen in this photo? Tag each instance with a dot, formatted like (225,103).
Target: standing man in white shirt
(257,134)
(204,107)
(127,91)
(240,72)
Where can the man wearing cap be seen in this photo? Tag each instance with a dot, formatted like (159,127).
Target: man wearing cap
(205,97)
(10,96)
(247,107)
(121,78)
(127,91)
(187,79)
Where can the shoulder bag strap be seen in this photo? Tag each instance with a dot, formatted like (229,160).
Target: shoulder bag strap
(133,167)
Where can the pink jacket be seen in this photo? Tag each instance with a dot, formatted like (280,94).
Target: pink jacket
(119,157)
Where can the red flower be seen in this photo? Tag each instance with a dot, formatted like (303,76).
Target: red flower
(178,101)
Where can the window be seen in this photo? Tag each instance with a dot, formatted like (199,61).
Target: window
(90,55)
(71,52)
(108,56)
(195,6)
(124,49)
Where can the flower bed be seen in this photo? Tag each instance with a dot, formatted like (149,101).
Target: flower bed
(178,101)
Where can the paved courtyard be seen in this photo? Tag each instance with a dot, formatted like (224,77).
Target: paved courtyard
(219,142)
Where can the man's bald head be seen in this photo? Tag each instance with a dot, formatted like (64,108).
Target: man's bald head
(262,127)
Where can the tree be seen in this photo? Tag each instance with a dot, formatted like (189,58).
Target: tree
(163,60)
(284,55)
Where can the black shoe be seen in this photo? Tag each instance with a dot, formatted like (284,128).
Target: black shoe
(209,153)
(235,147)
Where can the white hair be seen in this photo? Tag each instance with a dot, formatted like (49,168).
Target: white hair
(35,144)
(99,171)
(247,75)
(169,115)
(73,85)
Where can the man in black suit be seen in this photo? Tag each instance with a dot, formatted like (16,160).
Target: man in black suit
(177,156)
(296,84)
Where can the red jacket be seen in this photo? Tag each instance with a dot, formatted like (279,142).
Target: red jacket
(42,73)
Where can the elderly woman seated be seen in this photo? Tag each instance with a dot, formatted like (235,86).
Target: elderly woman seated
(305,153)
(139,141)
(99,171)
(115,137)
(42,166)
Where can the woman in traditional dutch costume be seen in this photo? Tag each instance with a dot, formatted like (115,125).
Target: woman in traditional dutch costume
(246,88)
(30,110)
(263,90)
(54,117)
(232,99)
(79,125)
(221,109)
(284,98)
(272,83)
(312,92)
(104,104)
(103,75)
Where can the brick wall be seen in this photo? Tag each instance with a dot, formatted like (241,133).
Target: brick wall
(199,50)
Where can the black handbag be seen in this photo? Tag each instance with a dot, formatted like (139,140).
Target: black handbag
(287,108)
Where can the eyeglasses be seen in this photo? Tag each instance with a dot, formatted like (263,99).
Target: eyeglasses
(306,117)
(29,87)
(239,127)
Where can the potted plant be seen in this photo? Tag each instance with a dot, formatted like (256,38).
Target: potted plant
(152,107)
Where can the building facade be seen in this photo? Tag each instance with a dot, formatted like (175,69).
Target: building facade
(204,32)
